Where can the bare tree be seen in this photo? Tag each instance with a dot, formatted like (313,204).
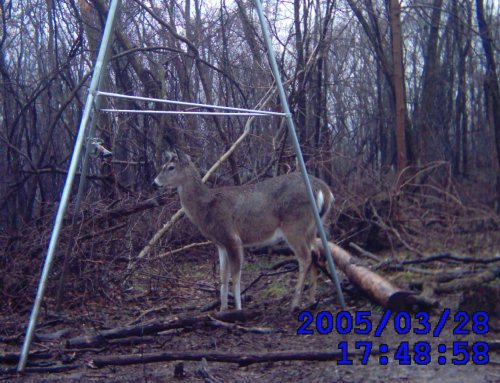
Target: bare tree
(375,92)
(491,87)
(399,89)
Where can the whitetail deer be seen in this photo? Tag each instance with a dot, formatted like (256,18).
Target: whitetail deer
(251,215)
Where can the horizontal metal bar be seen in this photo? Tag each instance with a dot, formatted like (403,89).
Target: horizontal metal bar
(184,103)
(186,112)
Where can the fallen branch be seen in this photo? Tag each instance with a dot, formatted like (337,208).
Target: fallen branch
(224,357)
(49,369)
(453,257)
(388,265)
(464,284)
(134,340)
(156,326)
(12,358)
(365,253)
(234,326)
(147,312)
(270,274)
(181,249)
(389,228)
(178,215)
(442,277)
(239,358)
(292,264)
(41,337)
(130,331)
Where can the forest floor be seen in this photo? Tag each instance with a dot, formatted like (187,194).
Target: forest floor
(195,283)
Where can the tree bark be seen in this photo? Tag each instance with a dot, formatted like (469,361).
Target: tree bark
(492,89)
(399,89)
(428,129)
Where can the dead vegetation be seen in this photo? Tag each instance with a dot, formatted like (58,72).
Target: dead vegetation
(419,219)
(423,238)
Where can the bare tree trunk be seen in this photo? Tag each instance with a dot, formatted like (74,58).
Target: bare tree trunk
(300,90)
(322,138)
(150,84)
(250,35)
(428,134)
(399,92)
(461,115)
(371,27)
(491,86)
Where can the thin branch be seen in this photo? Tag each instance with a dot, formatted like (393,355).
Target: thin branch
(181,249)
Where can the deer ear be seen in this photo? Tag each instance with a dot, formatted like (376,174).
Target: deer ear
(171,157)
(183,157)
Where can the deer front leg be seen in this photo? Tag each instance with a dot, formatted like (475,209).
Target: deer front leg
(316,260)
(235,257)
(224,278)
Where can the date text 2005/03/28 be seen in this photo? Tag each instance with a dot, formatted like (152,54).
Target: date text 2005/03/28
(404,323)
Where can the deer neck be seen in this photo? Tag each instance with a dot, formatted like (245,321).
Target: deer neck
(195,196)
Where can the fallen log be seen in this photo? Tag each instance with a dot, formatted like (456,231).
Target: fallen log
(377,287)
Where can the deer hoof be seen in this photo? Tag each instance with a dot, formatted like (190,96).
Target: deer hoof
(312,305)
(295,309)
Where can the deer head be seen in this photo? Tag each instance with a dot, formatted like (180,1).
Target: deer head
(175,170)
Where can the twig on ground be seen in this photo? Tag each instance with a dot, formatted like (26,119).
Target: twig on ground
(365,253)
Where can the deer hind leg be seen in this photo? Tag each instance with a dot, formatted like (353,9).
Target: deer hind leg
(301,241)
(301,251)
(313,275)
(224,277)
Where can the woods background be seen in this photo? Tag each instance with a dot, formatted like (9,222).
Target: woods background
(397,107)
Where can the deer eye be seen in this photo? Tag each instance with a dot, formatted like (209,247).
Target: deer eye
(170,168)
